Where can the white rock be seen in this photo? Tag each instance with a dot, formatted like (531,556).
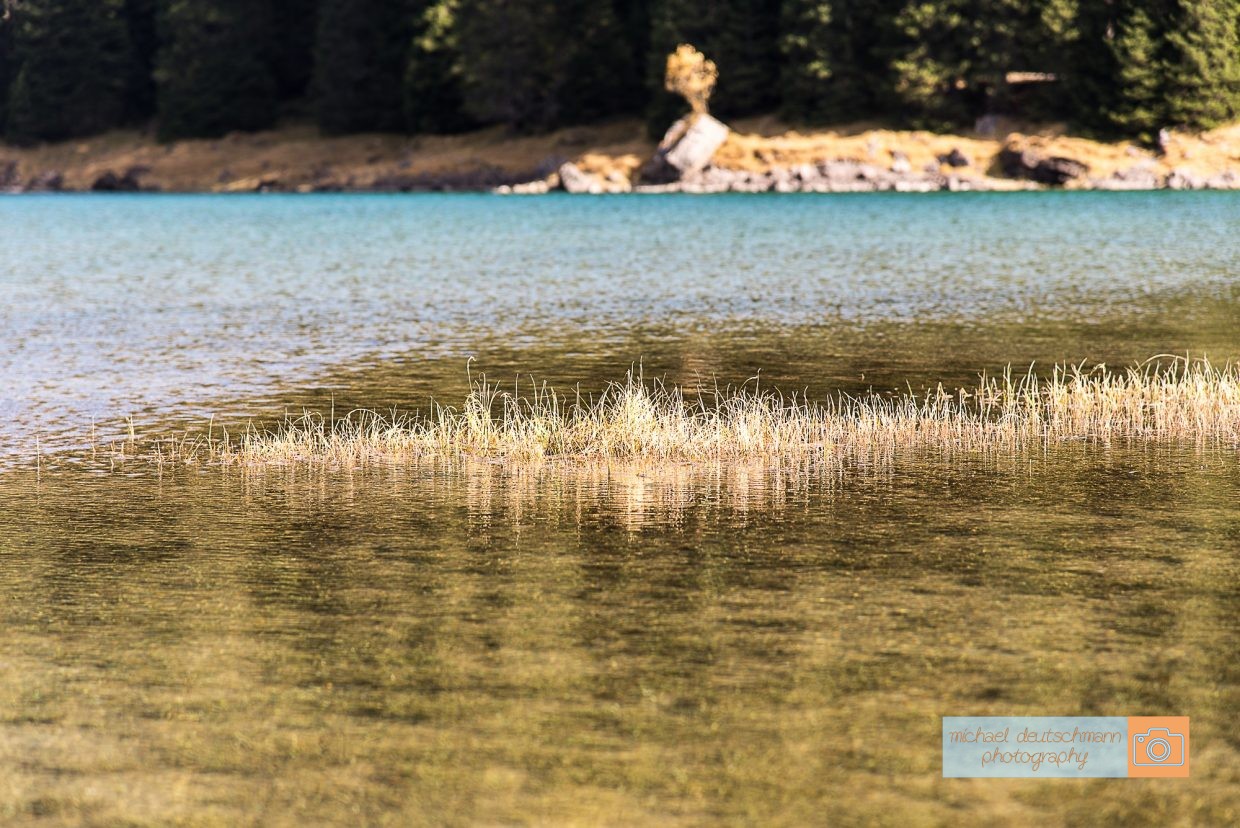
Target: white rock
(693,143)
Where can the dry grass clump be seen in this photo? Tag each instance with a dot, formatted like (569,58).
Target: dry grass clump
(1180,400)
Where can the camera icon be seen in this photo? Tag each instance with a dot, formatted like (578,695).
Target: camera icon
(1158,746)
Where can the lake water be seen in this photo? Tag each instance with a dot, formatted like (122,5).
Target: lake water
(469,643)
(180,307)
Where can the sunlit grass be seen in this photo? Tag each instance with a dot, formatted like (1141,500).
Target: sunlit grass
(1167,400)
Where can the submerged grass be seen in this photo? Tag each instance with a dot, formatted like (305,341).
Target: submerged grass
(1162,400)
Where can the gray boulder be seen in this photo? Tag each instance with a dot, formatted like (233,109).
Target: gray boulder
(806,173)
(48,181)
(697,145)
(8,174)
(1136,177)
(1026,163)
(686,148)
(955,158)
(1226,180)
(575,181)
(110,182)
(1184,179)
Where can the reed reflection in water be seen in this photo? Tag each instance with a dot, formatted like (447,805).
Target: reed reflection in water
(683,645)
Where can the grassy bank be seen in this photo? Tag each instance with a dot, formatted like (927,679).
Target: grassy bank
(298,158)
(1173,400)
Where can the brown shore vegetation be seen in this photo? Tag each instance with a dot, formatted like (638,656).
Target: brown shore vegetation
(760,144)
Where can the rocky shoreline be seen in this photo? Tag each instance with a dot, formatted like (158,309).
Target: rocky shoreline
(686,162)
(701,157)
(138,179)
(840,176)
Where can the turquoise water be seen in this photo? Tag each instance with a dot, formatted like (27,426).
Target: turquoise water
(180,307)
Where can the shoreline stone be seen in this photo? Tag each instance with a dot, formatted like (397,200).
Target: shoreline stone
(9,178)
(128,182)
(48,181)
(1021,162)
(839,176)
(686,149)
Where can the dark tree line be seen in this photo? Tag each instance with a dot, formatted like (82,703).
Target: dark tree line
(206,67)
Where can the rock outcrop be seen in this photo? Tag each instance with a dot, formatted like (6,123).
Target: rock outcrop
(1182,178)
(955,158)
(9,178)
(699,154)
(1136,177)
(686,149)
(841,176)
(1226,180)
(110,182)
(573,180)
(1023,162)
(48,181)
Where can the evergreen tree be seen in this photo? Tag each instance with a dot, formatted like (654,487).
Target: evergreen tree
(740,36)
(749,45)
(71,65)
(1080,34)
(6,65)
(511,62)
(211,71)
(289,45)
(74,67)
(601,76)
(507,65)
(360,63)
(634,20)
(950,59)
(140,22)
(1138,48)
(832,67)
(433,93)
(1203,75)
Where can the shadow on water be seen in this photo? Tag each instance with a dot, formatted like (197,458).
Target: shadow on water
(674,644)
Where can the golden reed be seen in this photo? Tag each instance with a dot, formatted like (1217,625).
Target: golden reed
(1167,400)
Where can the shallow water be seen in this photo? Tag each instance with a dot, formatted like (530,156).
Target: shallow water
(469,646)
(465,644)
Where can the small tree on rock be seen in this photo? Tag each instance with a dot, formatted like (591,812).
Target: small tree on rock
(692,76)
